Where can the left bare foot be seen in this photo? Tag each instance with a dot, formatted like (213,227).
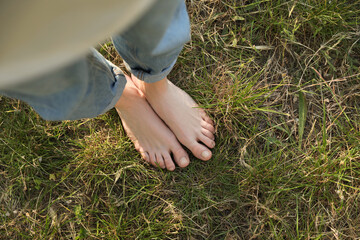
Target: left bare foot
(178,110)
(151,137)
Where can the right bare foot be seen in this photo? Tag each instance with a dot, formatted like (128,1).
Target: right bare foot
(190,124)
(151,137)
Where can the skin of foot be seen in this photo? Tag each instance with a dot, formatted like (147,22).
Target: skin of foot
(190,124)
(151,137)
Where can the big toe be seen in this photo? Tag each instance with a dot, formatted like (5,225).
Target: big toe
(200,151)
(181,157)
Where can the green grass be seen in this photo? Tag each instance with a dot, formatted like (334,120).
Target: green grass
(281,79)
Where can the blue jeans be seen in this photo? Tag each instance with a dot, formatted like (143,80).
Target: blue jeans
(92,85)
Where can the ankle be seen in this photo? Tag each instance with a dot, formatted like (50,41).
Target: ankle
(128,97)
(155,88)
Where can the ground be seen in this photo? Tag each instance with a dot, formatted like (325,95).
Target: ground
(281,80)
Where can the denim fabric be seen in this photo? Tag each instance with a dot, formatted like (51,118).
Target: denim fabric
(151,46)
(83,89)
(92,85)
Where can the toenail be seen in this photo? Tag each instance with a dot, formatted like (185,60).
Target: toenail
(183,161)
(205,154)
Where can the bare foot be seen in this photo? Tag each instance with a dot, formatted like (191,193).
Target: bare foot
(151,137)
(178,110)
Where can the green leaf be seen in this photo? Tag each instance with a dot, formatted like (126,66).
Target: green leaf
(302,116)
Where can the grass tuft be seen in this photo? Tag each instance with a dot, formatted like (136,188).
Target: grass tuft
(281,79)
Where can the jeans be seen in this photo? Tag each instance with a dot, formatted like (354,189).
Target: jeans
(92,85)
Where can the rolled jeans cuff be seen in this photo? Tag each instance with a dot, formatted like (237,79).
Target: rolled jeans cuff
(148,77)
(118,87)
(83,89)
(152,45)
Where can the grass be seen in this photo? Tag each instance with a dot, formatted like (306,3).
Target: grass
(280,78)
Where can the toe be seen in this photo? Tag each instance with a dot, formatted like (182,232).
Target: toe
(159,160)
(168,161)
(144,155)
(207,133)
(207,141)
(206,118)
(208,126)
(200,151)
(180,156)
(152,158)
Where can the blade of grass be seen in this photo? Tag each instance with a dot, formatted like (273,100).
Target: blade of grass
(302,116)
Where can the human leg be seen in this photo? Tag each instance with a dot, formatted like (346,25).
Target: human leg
(85,88)
(151,137)
(150,59)
(91,86)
